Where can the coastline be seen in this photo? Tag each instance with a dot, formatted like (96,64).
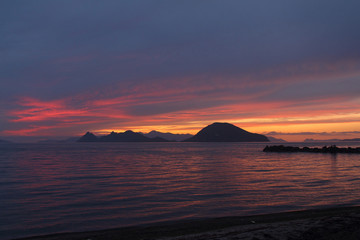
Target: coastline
(326,223)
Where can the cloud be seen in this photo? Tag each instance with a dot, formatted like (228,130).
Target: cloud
(68,66)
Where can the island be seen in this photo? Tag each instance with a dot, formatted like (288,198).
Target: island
(172,137)
(216,132)
(127,136)
(226,132)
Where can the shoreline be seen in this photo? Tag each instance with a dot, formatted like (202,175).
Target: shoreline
(333,149)
(324,223)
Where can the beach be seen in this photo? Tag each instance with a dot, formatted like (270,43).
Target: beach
(330,223)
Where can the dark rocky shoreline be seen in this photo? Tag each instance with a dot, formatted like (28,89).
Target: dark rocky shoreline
(332,223)
(331,149)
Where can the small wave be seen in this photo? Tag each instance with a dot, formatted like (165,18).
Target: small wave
(317,183)
(354,179)
(263,170)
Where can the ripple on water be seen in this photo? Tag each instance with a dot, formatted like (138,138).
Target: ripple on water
(55,188)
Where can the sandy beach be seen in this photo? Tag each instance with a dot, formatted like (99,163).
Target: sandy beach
(331,223)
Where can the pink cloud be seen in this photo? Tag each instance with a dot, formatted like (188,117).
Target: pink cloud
(205,100)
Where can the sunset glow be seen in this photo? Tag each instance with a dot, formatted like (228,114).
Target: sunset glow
(264,71)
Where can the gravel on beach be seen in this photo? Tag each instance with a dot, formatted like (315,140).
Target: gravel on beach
(330,224)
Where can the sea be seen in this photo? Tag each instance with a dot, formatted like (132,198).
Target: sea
(48,188)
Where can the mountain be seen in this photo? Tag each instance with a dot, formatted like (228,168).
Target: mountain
(159,139)
(321,140)
(88,137)
(4,141)
(168,136)
(226,132)
(272,139)
(216,132)
(351,140)
(332,140)
(128,136)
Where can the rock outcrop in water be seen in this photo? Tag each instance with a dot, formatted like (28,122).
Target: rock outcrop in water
(332,149)
(128,136)
(226,132)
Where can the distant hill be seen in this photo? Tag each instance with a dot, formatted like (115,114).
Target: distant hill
(128,136)
(68,140)
(332,140)
(168,136)
(4,141)
(319,140)
(88,137)
(226,132)
(351,140)
(272,139)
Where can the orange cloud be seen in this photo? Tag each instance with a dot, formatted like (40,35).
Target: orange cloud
(184,107)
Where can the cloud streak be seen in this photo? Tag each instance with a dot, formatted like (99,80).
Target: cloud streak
(269,66)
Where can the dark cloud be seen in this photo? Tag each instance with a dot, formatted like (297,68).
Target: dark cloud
(62,49)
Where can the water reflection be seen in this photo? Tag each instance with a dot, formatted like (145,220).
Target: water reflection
(55,188)
(334,159)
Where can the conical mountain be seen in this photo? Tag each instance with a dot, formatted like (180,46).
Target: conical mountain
(226,132)
(88,137)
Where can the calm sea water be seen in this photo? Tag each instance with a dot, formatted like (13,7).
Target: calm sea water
(51,188)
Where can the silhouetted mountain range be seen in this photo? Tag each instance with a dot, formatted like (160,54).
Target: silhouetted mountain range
(332,140)
(4,141)
(89,137)
(168,136)
(216,132)
(325,140)
(351,140)
(226,132)
(128,136)
(272,139)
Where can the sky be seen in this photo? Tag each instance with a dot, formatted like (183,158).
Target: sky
(289,69)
